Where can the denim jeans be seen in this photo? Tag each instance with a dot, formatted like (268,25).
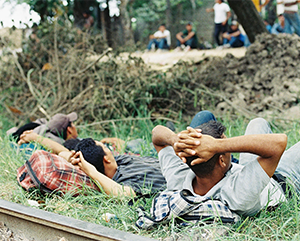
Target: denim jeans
(219,28)
(234,42)
(191,42)
(289,164)
(159,43)
(292,20)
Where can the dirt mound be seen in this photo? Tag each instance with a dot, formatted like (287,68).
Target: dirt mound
(266,79)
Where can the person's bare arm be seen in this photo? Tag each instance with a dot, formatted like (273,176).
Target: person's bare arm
(235,34)
(268,147)
(209,10)
(163,136)
(108,185)
(49,144)
(228,16)
(265,3)
(290,4)
(179,37)
(189,36)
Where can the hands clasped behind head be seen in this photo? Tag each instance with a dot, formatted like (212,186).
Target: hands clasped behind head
(188,141)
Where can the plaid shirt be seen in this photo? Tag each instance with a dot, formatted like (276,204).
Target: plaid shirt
(182,204)
(50,172)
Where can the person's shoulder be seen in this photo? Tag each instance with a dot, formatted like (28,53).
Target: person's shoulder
(225,5)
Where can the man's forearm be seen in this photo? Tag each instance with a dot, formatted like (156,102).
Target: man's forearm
(110,187)
(291,4)
(163,136)
(264,145)
(268,148)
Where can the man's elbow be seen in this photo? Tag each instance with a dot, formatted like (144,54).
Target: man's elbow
(282,142)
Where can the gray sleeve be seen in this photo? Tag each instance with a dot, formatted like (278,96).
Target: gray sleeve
(172,168)
(244,190)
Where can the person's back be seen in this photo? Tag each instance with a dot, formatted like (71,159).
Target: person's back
(143,174)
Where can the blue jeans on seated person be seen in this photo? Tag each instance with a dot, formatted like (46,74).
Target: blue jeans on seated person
(234,42)
(191,42)
(159,43)
(292,20)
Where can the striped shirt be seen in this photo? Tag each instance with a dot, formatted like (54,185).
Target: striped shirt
(142,174)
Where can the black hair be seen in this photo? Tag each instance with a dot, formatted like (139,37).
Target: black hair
(92,153)
(216,130)
(65,131)
(71,144)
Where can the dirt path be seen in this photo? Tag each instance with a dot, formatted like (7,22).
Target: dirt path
(165,60)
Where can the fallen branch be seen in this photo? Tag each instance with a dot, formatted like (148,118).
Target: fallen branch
(95,62)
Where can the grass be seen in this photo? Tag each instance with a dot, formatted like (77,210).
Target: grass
(281,224)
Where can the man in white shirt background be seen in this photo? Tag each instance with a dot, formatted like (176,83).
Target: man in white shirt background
(222,14)
(291,15)
(161,39)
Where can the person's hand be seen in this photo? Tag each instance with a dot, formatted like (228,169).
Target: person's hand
(227,36)
(187,141)
(193,143)
(68,155)
(204,151)
(182,41)
(86,167)
(27,136)
(114,141)
(224,23)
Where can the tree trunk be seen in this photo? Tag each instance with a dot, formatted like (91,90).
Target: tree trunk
(168,14)
(107,24)
(80,7)
(193,3)
(248,17)
(126,24)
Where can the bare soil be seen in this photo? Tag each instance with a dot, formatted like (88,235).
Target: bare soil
(166,59)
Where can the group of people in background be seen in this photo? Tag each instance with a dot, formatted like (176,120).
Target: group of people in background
(227,33)
(186,39)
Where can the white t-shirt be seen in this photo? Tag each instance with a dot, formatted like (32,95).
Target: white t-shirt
(293,8)
(164,33)
(237,189)
(221,11)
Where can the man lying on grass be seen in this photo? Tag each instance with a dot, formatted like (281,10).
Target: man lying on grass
(245,188)
(120,175)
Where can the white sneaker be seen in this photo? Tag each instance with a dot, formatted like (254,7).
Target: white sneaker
(177,49)
(226,46)
(187,48)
